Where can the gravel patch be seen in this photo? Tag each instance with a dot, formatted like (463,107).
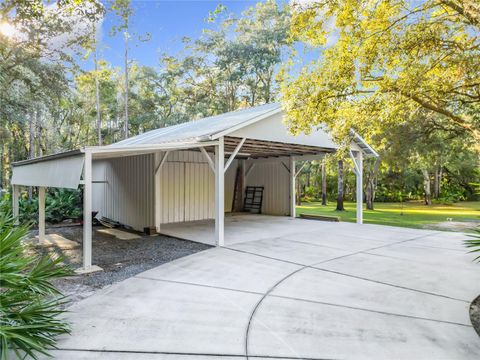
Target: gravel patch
(119,259)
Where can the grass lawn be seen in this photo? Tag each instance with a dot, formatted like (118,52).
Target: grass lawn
(411,214)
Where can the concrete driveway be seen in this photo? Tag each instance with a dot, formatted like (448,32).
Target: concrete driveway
(322,291)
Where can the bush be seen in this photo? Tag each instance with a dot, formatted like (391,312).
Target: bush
(29,304)
(474,244)
(60,204)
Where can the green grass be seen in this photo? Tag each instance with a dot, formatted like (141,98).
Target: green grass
(410,214)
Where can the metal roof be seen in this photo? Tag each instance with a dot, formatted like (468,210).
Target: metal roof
(193,132)
(203,129)
(210,128)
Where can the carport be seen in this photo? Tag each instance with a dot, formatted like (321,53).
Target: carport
(170,175)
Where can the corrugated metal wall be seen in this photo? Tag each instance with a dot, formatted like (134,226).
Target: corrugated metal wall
(276,180)
(128,194)
(187,189)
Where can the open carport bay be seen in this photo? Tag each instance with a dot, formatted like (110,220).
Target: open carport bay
(309,290)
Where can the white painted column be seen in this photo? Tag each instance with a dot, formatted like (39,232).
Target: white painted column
(243,165)
(87,212)
(41,214)
(219,193)
(359,173)
(15,202)
(292,187)
(157,190)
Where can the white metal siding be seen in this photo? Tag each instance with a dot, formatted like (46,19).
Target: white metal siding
(188,188)
(127,196)
(275,178)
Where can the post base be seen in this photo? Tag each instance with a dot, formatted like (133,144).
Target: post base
(91,269)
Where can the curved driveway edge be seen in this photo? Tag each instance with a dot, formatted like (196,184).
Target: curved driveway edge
(330,291)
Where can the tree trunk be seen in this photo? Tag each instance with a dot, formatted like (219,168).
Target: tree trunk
(437,181)
(371,183)
(440,174)
(298,193)
(324,182)
(340,206)
(126,87)
(97,96)
(427,187)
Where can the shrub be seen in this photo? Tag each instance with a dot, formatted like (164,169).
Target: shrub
(29,304)
(60,204)
(474,244)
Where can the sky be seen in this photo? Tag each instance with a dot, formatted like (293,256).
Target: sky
(167,21)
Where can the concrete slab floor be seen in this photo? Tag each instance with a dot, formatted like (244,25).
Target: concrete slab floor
(290,289)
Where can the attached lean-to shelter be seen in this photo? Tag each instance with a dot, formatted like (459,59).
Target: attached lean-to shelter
(188,172)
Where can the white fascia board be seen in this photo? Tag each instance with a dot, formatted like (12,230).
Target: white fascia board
(244,124)
(147,147)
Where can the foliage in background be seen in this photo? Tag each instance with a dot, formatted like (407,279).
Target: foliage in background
(51,106)
(399,73)
(383,63)
(30,305)
(60,205)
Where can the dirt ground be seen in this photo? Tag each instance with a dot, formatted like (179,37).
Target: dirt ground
(454,225)
(119,259)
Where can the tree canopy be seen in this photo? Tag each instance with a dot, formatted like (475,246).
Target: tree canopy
(383,62)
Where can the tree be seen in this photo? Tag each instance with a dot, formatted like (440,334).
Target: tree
(384,60)
(340,196)
(123,9)
(324,182)
(371,169)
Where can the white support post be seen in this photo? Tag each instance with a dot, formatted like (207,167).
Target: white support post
(15,202)
(359,173)
(157,189)
(292,188)
(219,193)
(87,212)
(41,214)
(87,217)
